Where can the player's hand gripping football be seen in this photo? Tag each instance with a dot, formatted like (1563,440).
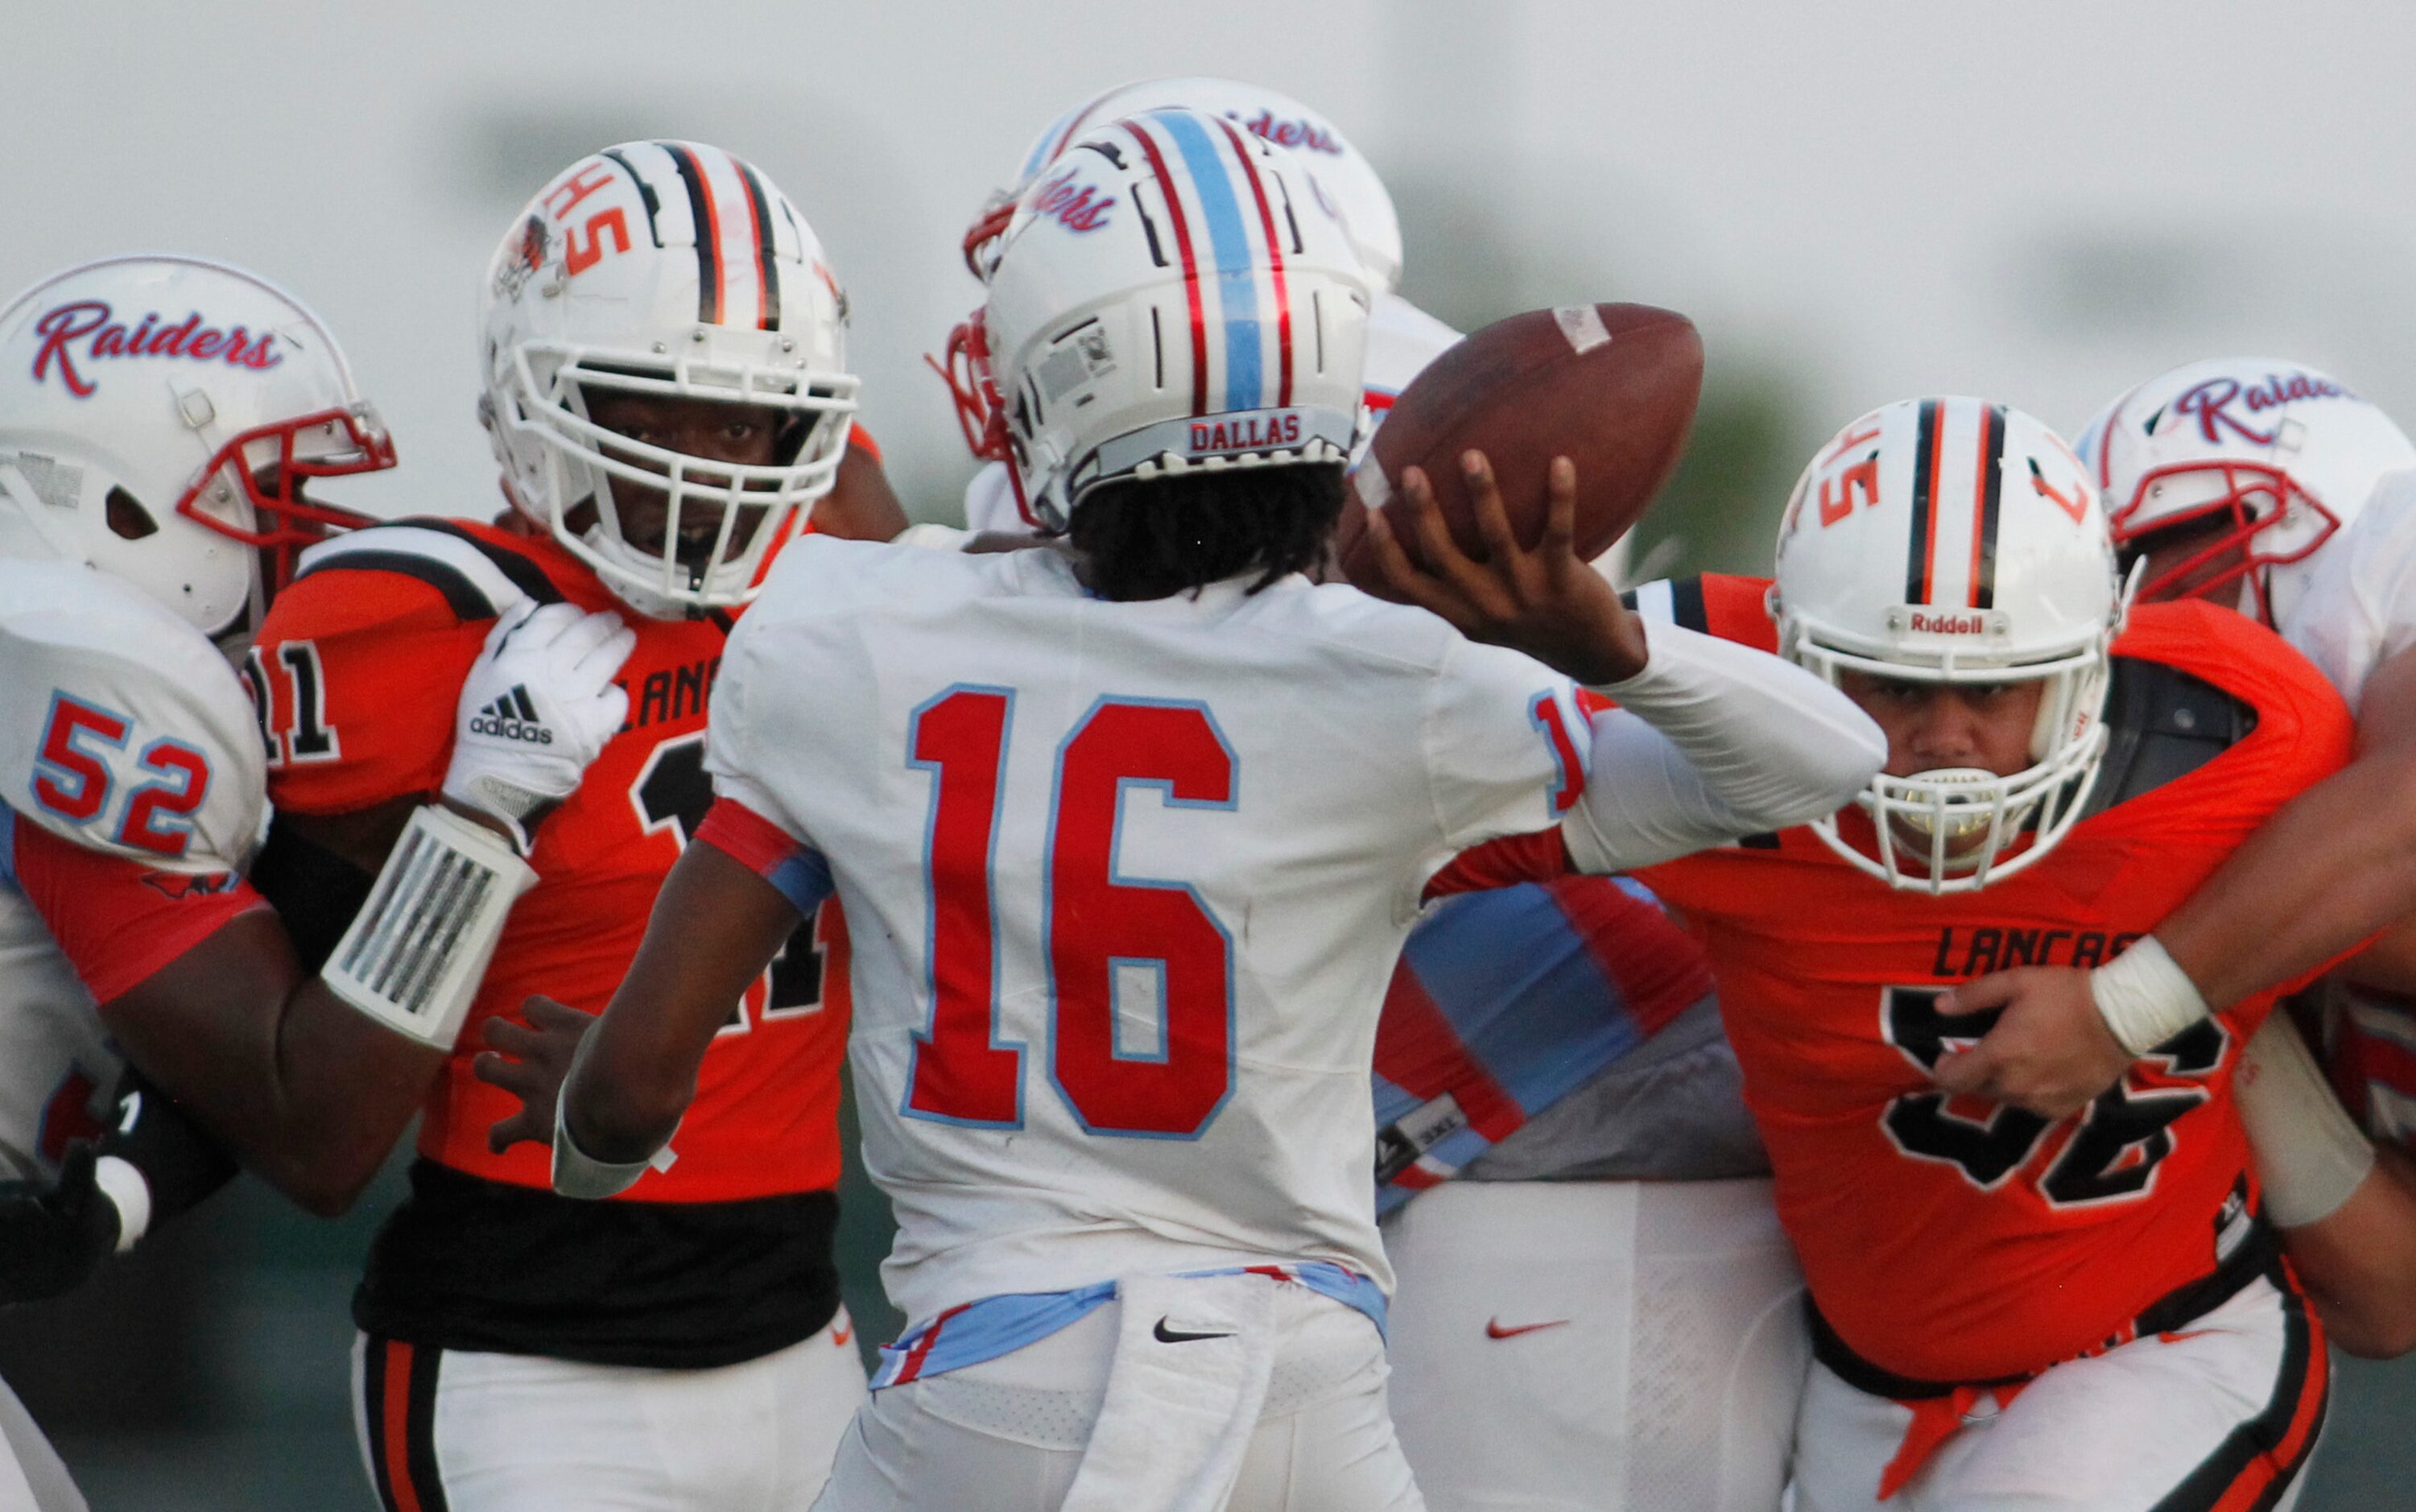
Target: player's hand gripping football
(1546,602)
(531,1062)
(55,1234)
(536,708)
(2049,1052)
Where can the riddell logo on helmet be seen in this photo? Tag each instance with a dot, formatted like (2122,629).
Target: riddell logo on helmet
(1299,134)
(1931,624)
(2213,400)
(1077,209)
(1246,432)
(88,321)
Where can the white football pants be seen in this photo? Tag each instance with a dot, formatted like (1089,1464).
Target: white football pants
(1596,1345)
(465,1431)
(1007,1435)
(32,1478)
(2221,1414)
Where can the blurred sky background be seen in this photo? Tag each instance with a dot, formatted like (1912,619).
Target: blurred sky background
(1858,201)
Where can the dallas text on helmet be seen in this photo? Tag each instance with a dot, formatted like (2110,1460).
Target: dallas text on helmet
(1248,433)
(188,338)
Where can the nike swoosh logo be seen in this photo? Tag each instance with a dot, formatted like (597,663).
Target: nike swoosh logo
(1493,1328)
(1175,1336)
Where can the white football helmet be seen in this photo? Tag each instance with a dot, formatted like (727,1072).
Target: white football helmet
(2271,457)
(159,416)
(1953,540)
(668,268)
(1337,167)
(1179,297)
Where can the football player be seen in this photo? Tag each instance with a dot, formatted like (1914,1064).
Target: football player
(1116,1050)
(665,384)
(2007,1307)
(1401,338)
(164,417)
(2253,481)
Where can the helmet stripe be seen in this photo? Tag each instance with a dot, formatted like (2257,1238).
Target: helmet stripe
(759,219)
(1984,530)
(1275,266)
(1925,507)
(707,233)
(1190,265)
(1237,273)
(646,192)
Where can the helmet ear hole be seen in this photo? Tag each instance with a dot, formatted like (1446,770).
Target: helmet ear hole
(126,518)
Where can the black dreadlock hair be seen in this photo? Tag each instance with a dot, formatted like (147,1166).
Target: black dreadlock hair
(1156,537)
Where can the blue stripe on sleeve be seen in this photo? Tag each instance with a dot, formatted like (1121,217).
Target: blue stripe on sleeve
(804,879)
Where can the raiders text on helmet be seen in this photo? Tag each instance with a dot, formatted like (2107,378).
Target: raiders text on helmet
(2257,462)
(161,416)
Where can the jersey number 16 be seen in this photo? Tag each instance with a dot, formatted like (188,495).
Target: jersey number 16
(1100,928)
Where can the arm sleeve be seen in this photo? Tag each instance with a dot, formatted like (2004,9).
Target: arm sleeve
(1713,741)
(115,921)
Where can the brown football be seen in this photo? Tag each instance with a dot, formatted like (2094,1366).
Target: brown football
(1611,388)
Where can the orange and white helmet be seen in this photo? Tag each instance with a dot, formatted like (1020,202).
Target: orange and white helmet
(1340,171)
(158,417)
(676,269)
(1954,540)
(2266,459)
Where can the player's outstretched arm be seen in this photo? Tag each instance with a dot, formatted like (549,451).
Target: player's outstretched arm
(1711,740)
(716,927)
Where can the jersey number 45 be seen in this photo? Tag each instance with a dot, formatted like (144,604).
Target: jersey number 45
(1103,931)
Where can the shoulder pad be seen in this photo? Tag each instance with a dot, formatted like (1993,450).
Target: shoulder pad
(2162,724)
(122,729)
(477,578)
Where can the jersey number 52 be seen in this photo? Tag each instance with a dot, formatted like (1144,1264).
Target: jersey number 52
(1102,930)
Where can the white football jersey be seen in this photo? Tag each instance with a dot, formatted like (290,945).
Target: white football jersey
(122,730)
(1401,341)
(1124,884)
(2360,604)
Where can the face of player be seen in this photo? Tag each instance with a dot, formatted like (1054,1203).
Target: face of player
(2168,549)
(750,436)
(1932,726)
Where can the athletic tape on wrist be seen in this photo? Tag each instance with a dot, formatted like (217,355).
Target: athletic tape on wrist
(2310,1154)
(2145,997)
(577,1174)
(127,1191)
(415,954)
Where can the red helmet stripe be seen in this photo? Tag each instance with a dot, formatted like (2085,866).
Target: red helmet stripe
(1275,265)
(1190,264)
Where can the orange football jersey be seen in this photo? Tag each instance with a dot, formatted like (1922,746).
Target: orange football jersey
(361,662)
(1953,1239)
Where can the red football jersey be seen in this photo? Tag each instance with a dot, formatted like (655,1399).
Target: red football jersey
(361,663)
(1951,1239)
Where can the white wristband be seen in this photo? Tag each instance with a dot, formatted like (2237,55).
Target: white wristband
(122,1183)
(416,953)
(2310,1155)
(2145,998)
(577,1174)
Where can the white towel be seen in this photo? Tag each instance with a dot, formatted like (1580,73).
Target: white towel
(1193,1355)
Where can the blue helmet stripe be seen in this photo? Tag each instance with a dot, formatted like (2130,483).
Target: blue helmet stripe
(1237,266)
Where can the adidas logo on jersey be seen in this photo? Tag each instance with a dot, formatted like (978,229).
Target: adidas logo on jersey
(512,718)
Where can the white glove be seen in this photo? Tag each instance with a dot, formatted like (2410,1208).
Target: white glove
(536,708)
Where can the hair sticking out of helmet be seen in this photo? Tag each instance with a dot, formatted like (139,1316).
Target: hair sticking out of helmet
(2229,476)
(670,287)
(1956,543)
(1174,299)
(162,420)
